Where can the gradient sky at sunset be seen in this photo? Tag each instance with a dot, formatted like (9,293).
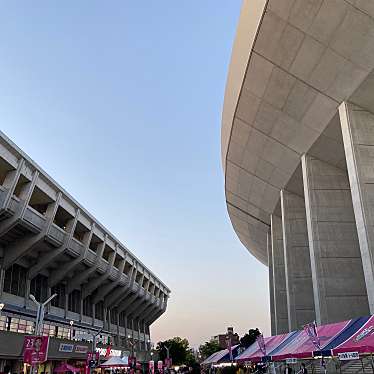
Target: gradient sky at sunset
(120,102)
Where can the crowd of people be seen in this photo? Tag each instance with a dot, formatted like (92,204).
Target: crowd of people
(257,368)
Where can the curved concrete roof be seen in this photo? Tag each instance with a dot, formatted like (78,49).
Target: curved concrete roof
(293,63)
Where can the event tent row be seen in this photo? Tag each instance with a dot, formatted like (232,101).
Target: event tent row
(222,356)
(354,336)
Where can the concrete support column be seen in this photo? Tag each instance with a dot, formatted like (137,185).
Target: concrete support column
(298,272)
(279,278)
(358,137)
(2,277)
(93,314)
(338,280)
(271,285)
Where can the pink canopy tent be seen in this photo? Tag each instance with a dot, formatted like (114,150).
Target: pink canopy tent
(254,353)
(302,346)
(63,368)
(362,341)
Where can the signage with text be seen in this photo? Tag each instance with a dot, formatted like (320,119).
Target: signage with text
(345,356)
(35,349)
(81,349)
(68,348)
(291,360)
(113,352)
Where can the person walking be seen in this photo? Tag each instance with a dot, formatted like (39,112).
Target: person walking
(303,370)
(288,369)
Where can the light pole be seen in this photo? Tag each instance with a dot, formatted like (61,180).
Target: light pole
(94,340)
(150,347)
(71,329)
(40,317)
(94,346)
(132,345)
(40,313)
(1,308)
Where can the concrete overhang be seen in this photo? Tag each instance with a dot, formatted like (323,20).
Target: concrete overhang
(293,63)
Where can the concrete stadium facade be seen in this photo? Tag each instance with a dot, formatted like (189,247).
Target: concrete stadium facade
(298,154)
(50,244)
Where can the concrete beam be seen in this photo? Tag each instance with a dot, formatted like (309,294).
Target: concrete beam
(279,276)
(23,246)
(94,284)
(45,260)
(149,308)
(156,315)
(126,303)
(117,295)
(81,277)
(299,284)
(10,183)
(358,138)
(104,290)
(115,303)
(338,279)
(25,196)
(141,309)
(150,312)
(58,275)
(130,309)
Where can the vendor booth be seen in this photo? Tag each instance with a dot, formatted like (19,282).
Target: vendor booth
(342,345)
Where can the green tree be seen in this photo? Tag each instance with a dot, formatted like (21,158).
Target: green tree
(179,350)
(209,348)
(249,338)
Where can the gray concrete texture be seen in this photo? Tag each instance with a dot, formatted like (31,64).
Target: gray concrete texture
(358,136)
(298,154)
(279,276)
(271,285)
(338,281)
(300,302)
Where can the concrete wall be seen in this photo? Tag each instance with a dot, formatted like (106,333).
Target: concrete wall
(297,261)
(279,278)
(271,285)
(338,279)
(358,137)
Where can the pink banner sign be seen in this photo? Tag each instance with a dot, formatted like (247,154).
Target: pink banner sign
(151,367)
(168,362)
(312,332)
(261,344)
(35,349)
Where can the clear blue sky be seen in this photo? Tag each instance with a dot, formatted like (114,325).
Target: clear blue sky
(120,102)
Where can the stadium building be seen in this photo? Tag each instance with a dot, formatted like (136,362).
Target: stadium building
(50,244)
(298,154)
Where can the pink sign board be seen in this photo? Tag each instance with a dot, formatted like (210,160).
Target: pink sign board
(168,362)
(151,367)
(35,349)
